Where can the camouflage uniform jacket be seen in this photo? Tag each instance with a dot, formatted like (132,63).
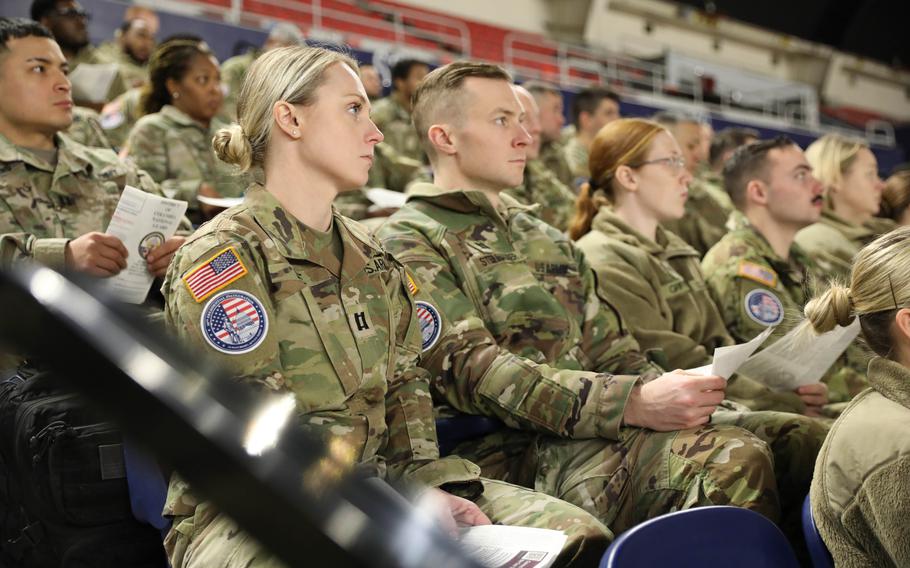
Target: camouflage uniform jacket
(233,71)
(43,206)
(132,74)
(541,187)
(527,325)
(658,288)
(704,222)
(713,183)
(833,242)
(392,169)
(90,54)
(554,158)
(577,157)
(177,152)
(340,333)
(120,115)
(396,125)
(86,129)
(754,288)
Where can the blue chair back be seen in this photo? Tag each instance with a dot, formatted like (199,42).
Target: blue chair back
(704,537)
(818,550)
(147,486)
(454,430)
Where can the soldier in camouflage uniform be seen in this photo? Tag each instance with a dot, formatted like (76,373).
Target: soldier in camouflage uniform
(233,70)
(705,220)
(130,52)
(592,109)
(56,196)
(173,143)
(756,274)
(330,317)
(550,102)
(853,192)
(86,129)
(531,343)
(392,114)
(723,144)
(649,273)
(555,201)
(120,115)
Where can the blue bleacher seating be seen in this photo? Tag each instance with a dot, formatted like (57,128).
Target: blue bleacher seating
(704,537)
(454,430)
(818,551)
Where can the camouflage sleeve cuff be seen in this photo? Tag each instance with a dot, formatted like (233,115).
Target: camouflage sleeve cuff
(612,404)
(50,252)
(444,471)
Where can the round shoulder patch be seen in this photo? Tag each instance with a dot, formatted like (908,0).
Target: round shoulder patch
(764,307)
(430,324)
(234,322)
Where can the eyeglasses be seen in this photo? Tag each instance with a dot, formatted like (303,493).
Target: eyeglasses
(73,13)
(676,163)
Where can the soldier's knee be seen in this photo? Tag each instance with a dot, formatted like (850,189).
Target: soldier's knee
(586,541)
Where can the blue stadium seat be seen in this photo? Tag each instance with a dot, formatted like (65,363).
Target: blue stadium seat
(818,551)
(704,537)
(454,430)
(147,486)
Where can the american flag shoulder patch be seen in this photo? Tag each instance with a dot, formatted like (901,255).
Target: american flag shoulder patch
(757,273)
(214,274)
(412,286)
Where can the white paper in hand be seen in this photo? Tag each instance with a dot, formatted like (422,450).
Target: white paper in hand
(502,546)
(798,359)
(728,359)
(142,221)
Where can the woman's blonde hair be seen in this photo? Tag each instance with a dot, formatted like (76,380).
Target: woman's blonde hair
(622,142)
(879,286)
(896,195)
(831,156)
(291,74)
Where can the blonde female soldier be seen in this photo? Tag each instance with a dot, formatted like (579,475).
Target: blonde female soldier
(859,494)
(292,297)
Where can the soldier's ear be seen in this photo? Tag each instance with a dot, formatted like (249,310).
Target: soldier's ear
(627,178)
(287,118)
(757,192)
(902,328)
(443,139)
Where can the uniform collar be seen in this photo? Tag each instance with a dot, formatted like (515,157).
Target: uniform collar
(71,157)
(797,259)
(665,242)
(294,240)
(853,233)
(468,201)
(891,379)
(173,114)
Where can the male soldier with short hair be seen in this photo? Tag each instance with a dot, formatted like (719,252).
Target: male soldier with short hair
(392,114)
(703,223)
(554,200)
(516,331)
(550,103)
(757,275)
(130,51)
(592,109)
(56,196)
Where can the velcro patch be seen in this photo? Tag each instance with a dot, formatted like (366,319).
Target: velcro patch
(214,274)
(758,273)
(430,324)
(764,307)
(234,322)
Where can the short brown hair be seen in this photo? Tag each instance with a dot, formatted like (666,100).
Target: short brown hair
(437,90)
(748,163)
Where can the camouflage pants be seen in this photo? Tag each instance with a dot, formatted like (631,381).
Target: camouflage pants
(640,476)
(210,539)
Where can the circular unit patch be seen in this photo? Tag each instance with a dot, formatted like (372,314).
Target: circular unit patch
(430,324)
(234,322)
(764,307)
(149,242)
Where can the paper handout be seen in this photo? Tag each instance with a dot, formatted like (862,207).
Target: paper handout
(92,81)
(728,359)
(385,198)
(141,221)
(498,546)
(799,358)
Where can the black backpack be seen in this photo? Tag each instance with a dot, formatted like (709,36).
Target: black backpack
(64,500)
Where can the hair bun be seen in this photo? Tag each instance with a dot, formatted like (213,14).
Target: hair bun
(834,307)
(233,147)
